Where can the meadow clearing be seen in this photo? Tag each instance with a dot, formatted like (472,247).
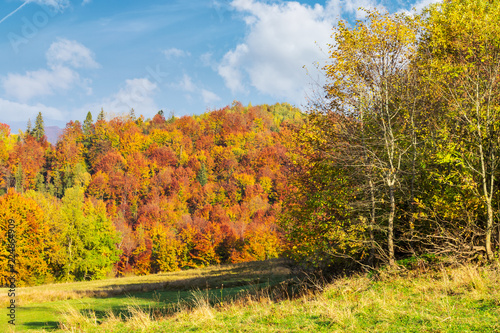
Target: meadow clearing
(266,297)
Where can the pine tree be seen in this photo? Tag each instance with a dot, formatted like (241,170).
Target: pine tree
(39,130)
(40,182)
(88,125)
(28,127)
(202,176)
(101,115)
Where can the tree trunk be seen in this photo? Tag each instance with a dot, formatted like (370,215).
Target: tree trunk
(372,224)
(489,230)
(390,228)
(498,240)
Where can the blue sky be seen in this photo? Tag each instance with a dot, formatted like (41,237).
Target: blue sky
(67,57)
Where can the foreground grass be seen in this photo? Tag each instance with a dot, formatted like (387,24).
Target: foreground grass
(460,299)
(463,298)
(43,307)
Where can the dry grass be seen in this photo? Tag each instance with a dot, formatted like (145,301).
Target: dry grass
(237,274)
(442,299)
(73,320)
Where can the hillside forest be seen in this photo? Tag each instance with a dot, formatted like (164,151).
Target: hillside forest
(398,157)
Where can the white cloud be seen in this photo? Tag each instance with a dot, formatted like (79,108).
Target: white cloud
(209,97)
(187,84)
(137,93)
(13,111)
(56,4)
(39,83)
(174,52)
(353,6)
(231,65)
(62,57)
(72,53)
(208,60)
(419,5)
(283,37)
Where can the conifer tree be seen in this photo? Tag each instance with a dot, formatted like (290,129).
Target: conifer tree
(101,115)
(88,125)
(39,130)
(28,127)
(202,175)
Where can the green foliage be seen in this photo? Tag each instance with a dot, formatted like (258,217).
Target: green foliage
(39,131)
(88,128)
(202,176)
(88,237)
(318,220)
(28,128)
(410,134)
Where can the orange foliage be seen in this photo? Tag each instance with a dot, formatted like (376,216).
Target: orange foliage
(183,192)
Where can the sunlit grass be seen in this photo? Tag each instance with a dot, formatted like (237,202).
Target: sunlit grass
(460,299)
(114,299)
(260,297)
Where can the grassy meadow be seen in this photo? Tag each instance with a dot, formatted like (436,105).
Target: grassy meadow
(264,297)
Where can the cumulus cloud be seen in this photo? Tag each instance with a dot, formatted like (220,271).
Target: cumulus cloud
(63,57)
(209,97)
(175,52)
(353,6)
(72,53)
(421,4)
(16,112)
(283,37)
(208,61)
(137,94)
(187,85)
(42,82)
(56,4)
(231,67)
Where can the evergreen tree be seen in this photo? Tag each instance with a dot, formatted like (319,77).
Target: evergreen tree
(58,188)
(28,128)
(39,130)
(101,115)
(40,182)
(202,176)
(88,127)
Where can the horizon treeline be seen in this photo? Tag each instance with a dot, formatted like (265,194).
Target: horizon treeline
(130,195)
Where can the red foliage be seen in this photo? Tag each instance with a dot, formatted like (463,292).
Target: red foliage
(154,182)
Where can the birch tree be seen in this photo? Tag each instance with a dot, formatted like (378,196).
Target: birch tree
(461,50)
(368,75)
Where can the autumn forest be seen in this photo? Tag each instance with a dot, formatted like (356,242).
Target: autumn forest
(398,157)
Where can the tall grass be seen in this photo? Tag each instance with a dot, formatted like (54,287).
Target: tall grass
(444,299)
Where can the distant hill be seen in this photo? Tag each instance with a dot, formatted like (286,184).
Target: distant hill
(52,133)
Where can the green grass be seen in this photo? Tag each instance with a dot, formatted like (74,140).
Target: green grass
(42,307)
(463,298)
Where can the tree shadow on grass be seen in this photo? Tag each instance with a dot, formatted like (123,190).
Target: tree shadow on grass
(160,299)
(42,325)
(234,276)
